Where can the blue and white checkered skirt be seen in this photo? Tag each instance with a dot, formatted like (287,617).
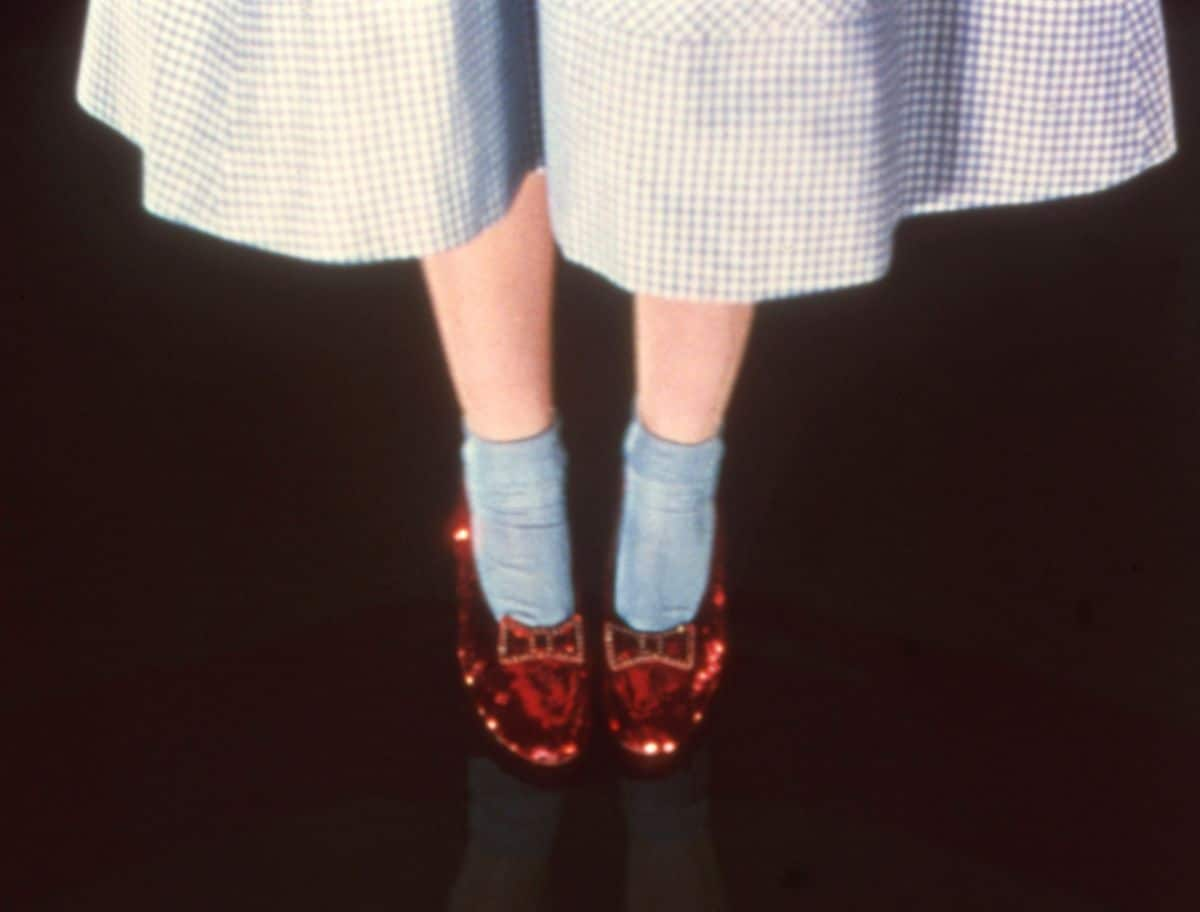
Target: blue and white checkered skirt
(736,150)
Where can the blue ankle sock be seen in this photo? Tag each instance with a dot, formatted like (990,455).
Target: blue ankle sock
(516,494)
(667,527)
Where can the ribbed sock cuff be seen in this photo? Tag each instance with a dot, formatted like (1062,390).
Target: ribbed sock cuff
(496,470)
(672,474)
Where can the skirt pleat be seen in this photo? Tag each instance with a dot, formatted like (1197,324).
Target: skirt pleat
(734,150)
(331,131)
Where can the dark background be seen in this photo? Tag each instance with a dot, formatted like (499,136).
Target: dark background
(962,505)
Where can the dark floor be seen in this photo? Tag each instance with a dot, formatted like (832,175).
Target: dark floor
(963,505)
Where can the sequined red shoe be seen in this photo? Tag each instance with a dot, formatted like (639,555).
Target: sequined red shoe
(657,687)
(527,686)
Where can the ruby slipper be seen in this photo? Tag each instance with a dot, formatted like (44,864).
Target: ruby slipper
(657,687)
(527,686)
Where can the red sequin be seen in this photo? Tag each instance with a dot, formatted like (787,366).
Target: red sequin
(657,687)
(529,685)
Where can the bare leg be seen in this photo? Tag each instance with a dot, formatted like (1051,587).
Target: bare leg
(689,355)
(492,300)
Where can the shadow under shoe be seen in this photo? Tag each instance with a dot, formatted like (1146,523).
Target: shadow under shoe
(671,862)
(511,826)
(527,688)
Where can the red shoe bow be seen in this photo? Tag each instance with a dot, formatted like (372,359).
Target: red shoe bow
(518,643)
(625,647)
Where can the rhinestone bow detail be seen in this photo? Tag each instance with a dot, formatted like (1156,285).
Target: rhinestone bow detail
(518,643)
(625,648)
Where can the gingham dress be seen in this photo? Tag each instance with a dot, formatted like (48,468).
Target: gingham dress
(734,150)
